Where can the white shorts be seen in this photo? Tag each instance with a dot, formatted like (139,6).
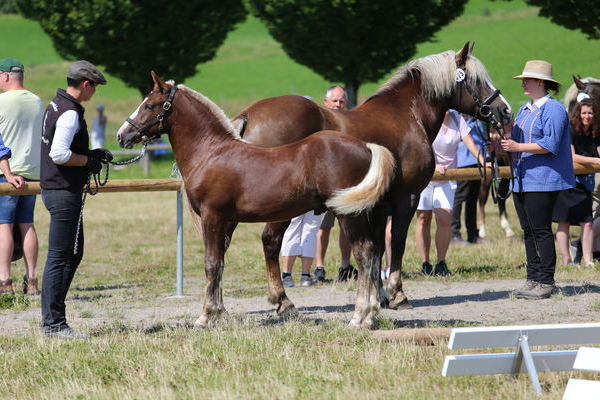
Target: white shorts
(300,238)
(437,195)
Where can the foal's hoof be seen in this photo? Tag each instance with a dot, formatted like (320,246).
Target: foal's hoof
(287,311)
(400,302)
(367,323)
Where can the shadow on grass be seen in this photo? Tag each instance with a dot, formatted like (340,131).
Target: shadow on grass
(430,323)
(457,299)
(108,287)
(572,290)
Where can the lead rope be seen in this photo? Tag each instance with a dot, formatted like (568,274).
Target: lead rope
(93,190)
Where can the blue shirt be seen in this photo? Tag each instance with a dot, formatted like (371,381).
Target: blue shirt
(548,126)
(465,158)
(4,151)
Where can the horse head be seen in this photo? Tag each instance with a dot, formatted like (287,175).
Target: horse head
(474,92)
(588,88)
(149,120)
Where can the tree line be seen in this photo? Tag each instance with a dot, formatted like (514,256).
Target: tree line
(347,41)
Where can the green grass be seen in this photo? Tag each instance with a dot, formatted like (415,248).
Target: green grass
(130,253)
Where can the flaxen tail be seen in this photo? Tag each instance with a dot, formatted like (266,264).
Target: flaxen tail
(363,196)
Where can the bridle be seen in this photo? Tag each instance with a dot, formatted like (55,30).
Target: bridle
(159,118)
(484,111)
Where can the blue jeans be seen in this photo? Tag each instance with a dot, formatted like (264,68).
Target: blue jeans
(16,209)
(64,207)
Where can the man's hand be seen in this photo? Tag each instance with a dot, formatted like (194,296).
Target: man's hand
(440,169)
(17,181)
(93,165)
(102,154)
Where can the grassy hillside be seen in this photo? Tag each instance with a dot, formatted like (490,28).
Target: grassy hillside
(251,65)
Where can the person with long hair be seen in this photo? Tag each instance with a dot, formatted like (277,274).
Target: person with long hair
(574,206)
(543,166)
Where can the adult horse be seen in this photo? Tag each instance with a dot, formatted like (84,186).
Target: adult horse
(404,115)
(589,87)
(229,181)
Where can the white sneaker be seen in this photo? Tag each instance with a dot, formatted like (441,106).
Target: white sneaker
(385,274)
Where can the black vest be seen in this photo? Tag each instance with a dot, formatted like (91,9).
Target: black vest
(54,176)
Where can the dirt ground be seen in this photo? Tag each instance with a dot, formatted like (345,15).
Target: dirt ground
(436,303)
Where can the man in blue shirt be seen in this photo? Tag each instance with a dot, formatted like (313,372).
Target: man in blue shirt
(468,191)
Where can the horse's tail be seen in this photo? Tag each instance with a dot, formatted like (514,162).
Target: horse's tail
(363,196)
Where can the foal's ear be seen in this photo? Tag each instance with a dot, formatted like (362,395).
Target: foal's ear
(461,56)
(578,82)
(159,83)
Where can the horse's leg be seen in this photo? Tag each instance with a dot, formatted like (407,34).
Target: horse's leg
(402,213)
(503,192)
(367,248)
(214,231)
(272,238)
(484,193)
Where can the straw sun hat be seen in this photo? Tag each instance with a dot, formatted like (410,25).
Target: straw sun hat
(537,69)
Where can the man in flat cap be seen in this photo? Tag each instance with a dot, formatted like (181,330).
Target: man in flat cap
(20,126)
(66,162)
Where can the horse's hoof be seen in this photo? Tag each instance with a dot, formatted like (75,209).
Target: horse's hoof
(385,303)
(201,323)
(401,304)
(287,311)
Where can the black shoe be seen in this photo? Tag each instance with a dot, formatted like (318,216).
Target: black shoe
(320,274)
(441,269)
(578,251)
(64,332)
(347,272)
(426,268)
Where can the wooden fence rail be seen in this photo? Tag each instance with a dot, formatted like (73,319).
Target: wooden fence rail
(157,185)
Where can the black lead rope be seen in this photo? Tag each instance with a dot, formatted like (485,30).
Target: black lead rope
(93,189)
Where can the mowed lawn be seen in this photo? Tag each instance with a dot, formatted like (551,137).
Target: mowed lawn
(129,264)
(130,252)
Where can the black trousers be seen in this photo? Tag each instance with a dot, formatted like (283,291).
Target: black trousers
(535,215)
(64,207)
(466,192)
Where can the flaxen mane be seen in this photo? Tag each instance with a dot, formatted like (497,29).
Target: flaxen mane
(437,74)
(214,109)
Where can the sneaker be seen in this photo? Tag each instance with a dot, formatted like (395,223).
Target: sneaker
(288,281)
(426,268)
(320,274)
(537,292)
(30,286)
(65,332)
(6,287)
(347,272)
(306,280)
(441,269)
(528,286)
(385,274)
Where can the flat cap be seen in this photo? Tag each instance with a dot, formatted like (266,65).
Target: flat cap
(86,70)
(11,65)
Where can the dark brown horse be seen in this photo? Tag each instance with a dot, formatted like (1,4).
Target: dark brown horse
(229,181)
(582,86)
(404,115)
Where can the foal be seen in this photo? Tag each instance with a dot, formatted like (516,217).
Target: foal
(229,181)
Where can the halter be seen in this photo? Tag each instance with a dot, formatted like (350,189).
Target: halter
(484,110)
(159,118)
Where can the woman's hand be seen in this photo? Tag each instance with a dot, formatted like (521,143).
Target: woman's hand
(509,145)
(440,169)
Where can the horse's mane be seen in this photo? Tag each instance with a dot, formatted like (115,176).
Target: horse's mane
(437,74)
(217,111)
(572,92)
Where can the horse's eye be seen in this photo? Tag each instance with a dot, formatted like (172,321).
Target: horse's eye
(148,106)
